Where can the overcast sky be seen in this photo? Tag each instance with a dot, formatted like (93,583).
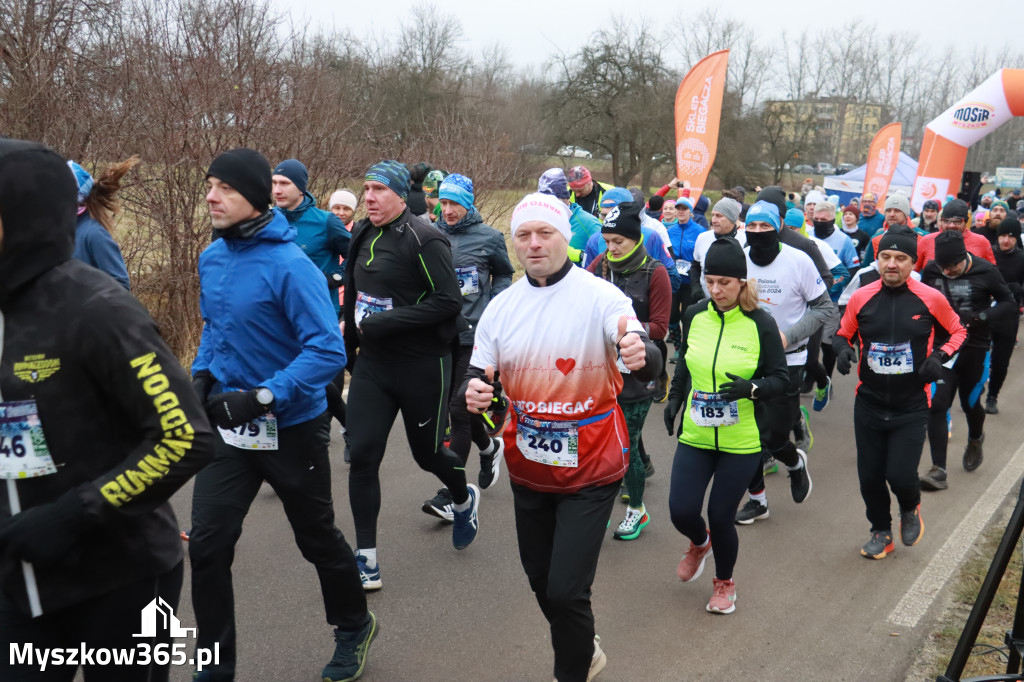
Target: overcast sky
(531,29)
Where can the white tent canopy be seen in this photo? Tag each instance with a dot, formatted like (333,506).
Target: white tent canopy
(851,184)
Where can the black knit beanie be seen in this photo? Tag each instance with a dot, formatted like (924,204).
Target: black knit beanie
(725,258)
(248,172)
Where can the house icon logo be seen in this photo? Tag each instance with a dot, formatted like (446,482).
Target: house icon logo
(158,616)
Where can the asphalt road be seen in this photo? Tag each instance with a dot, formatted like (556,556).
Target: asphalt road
(809,606)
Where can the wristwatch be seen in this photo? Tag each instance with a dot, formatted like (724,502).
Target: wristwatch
(264,397)
(753,391)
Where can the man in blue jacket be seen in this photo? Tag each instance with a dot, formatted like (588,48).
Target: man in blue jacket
(320,234)
(270,344)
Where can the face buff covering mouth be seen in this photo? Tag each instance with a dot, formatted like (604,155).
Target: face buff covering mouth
(764,247)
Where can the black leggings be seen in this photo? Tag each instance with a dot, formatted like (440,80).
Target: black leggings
(466,427)
(776,418)
(680,302)
(969,375)
(692,470)
(889,448)
(814,368)
(335,403)
(1004,336)
(378,391)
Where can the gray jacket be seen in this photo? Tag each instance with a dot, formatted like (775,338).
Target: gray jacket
(482,265)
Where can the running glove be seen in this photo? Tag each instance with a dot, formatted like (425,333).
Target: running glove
(671,410)
(202,384)
(931,368)
(44,534)
(234,408)
(737,389)
(845,359)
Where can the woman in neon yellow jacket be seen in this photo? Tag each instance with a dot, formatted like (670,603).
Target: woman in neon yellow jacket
(731,358)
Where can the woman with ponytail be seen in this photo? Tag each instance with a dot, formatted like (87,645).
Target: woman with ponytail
(97,206)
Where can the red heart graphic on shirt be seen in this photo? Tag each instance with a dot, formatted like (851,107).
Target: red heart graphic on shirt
(565,365)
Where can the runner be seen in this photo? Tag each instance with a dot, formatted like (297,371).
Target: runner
(683,237)
(431,185)
(552,336)
(929,219)
(1010,261)
(94,243)
(266,354)
(724,218)
(954,216)
(320,234)
(484,271)
(402,308)
(343,204)
(584,225)
(894,321)
(859,237)
(976,291)
(644,280)
(997,213)
(870,219)
(897,214)
(732,360)
(586,191)
(793,294)
(85,383)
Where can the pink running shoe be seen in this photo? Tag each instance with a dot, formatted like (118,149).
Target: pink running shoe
(692,563)
(724,598)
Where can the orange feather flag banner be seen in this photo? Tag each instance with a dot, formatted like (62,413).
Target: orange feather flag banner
(698,113)
(883,156)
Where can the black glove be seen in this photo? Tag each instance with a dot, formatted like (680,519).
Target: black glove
(845,359)
(45,534)
(234,408)
(671,411)
(737,389)
(334,280)
(202,384)
(931,369)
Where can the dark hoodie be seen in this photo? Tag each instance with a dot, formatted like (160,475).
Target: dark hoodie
(121,421)
(700,211)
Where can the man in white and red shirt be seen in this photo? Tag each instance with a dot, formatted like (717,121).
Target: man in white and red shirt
(558,338)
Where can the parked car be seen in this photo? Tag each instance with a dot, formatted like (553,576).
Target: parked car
(823,168)
(844,168)
(574,152)
(804,168)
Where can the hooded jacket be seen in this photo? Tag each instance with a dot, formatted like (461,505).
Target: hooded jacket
(322,236)
(481,265)
(268,321)
(96,247)
(121,421)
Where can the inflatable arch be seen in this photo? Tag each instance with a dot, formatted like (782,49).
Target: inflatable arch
(947,138)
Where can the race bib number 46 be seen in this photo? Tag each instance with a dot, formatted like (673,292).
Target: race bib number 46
(711,409)
(367,305)
(23,450)
(259,434)
(896,358)
(469,280)
(548,442)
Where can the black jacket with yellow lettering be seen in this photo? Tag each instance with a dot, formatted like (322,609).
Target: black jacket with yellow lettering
(120,419)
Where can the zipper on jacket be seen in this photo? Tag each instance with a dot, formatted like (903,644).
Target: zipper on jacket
(374,242)
(714,362)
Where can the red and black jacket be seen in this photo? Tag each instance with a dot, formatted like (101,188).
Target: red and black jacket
(891,315)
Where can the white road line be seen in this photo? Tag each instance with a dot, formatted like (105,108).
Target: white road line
(922,593)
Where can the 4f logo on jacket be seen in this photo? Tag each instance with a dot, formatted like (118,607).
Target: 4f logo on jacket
(36,368)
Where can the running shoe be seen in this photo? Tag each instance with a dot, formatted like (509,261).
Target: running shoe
(973,453)
(723,598)
(369,576)
(800,484)
(911,526)
(599,660)
(490,465)
(991,405)
(350,649)
(805,439)
(935,479)
(879,546)
(692,563)
(675,358)
(440,506)
(822,396)
(751,511)
(636,520)
(467,523)
(769,465)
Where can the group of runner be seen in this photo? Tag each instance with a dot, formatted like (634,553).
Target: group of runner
(416,302)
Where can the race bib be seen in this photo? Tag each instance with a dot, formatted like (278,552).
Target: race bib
(259,434)
(469,280)
(548,442)
(711,409)
(23,450)
(682,266)
(367,305)
(897,358)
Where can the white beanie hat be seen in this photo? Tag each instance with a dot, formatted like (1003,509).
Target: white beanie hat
(344,198)
(545,208)
(814,197)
